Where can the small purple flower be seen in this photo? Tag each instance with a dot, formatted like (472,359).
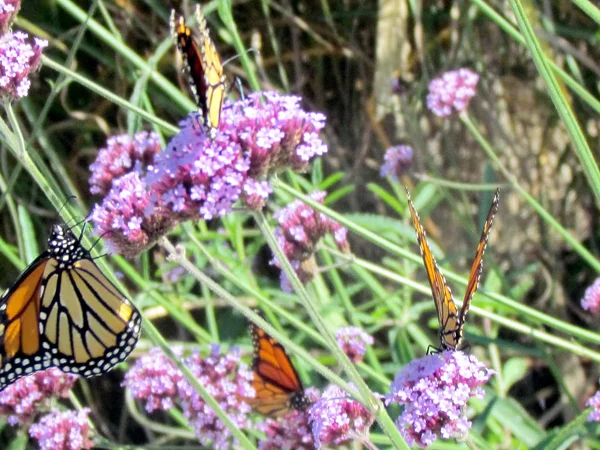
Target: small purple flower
(155,379)
(67,430)
(397,161)
(452,92)
(434,391)
(229,381)
(256,193)
(121,155)
(300,229)
(591,298)
(8,11)
(124,219)
(353,341)
(337,418)
(19,57)
(196,177)
(594,402)
(23,399)
(274,131)
(291,431)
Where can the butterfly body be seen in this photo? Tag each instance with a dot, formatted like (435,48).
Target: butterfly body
(276,382)
(63,312)
(451,319)
(204,69)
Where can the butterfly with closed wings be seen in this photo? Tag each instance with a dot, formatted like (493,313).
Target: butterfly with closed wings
(276,382)
(204,69)
(63,312)
(451,319)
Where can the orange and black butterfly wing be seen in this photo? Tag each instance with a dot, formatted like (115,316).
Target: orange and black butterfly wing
(63,312)
(215,81)
(276,382)
(89,325)
(21,351)
(477,266)
(447,312)
(192,60)
(204,69)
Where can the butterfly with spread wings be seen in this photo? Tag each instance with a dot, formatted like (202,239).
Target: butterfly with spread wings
(451,319)
(63,312)
(204,69)
(276,382)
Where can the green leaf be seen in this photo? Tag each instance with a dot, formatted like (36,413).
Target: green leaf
(511,415)
(568,434)
(29,235)
(331,180)
(513,371)
(335,195)
(384,195)
(19,442)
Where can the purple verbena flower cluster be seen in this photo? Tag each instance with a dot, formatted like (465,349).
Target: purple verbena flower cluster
(200,178)
(128,218)
(68,430)
(275,131)
(157,380)
(337,418)
(196,177)
(300,229)
(19,56)
(8,11)
(353,341)
(228,381)
(291,431)
(22,400)
(594,402)
(434,391)
(122,155)
(591,298)
(154,378)
(452,92)
(397,161)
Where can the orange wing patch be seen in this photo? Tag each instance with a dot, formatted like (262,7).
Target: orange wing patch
(477,265)
(204,69)
(63,312)
(450,319)
(276,382)
(19,315)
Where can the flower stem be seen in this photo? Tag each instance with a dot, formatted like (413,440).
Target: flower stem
(157,339)
(180,259)
(366,397)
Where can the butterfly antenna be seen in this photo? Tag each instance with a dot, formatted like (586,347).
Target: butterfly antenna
(234,57)
(94,258)
(96,243)
(75,225)
(85,223)
(69,198)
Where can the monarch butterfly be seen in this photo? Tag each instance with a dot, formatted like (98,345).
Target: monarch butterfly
(276,382)
(63,312)
(204,69)
(452,320)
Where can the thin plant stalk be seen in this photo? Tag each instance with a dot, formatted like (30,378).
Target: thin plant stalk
(366,397)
